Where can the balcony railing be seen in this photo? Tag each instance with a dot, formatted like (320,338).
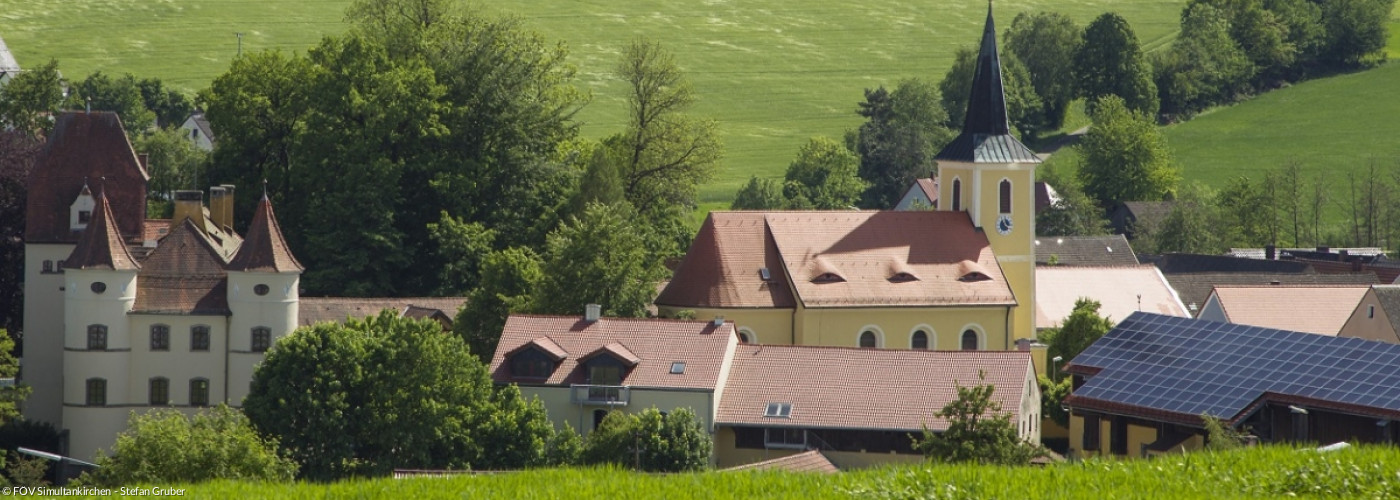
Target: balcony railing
(600,395)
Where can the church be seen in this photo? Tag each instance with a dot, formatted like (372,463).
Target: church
(961,277)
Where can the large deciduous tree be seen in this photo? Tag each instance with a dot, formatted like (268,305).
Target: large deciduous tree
(903,130)
(1077,332)
(601,258)
(978,431)
(27,98)
(1204,66)
(1045,42)
(164,446)
(508,278)
(173,162)
(17,153)
(121,95)
(759,194)
(1110,62)
(651,441)
(1023,105)
(1356,29)
(823,176)
(1124,157)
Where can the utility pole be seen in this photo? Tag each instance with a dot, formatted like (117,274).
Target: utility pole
(239,34)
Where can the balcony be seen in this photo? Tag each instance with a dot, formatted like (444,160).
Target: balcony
(600,395)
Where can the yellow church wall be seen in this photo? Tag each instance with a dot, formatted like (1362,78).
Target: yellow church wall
(895,327)
(767,325)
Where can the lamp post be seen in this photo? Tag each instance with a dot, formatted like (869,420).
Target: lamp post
(1055,367)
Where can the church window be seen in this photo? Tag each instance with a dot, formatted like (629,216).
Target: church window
(919,340)
(262,339)
(199,392)
(957,194)
(969,340)
(97,337)
(199,338)
(96,392)
(867,339)
(159,391)
(1005,196)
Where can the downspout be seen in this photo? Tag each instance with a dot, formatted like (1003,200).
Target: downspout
(228,344)
(1008,328)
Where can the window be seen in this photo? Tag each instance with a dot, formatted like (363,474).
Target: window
(677,367)
(969,340)
(745,337)
(919,340)
(607,372)
(1004,196)
(97,392)
(867,339)
(160,338)
(1118,436)
(957,194)
(98,287)
(199,392)
(828,278)
(778,410)
(199,338)
(260,289)
(48,266)
(1370,311)
(97,338)
(531,363)
(262,338)
(84,216)
(1091,433)
(160,391)
(785,438)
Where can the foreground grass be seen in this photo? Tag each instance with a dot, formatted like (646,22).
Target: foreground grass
(1269,472)
(772,72)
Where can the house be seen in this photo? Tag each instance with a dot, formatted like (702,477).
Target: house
(1120,291)
(1130,216)
(1112,250)
(197,129)
(1141,389)
(337,309)
(1377,316)
(1320,309)
(959,277)
(921,195)
(9,67)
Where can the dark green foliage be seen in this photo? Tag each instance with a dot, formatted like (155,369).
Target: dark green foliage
(461,246)
(1195,225)
(1204,66)
(507,279)
(1124,156)
(823,177)
(977,432)
(564,448)
(1045,42)
(1074,214)
(120,94)
(1052,397)
(1076,333)
(651,441)
(173,162)
(24,470)
(903,130)
(600,258)
(164,446)
(17,153)
(1023,105)
(10,396)
(26,98)
(1110,62)
(170,107)
(759,194)
(386,392)
(601,182)
(32,434)
(1356,29)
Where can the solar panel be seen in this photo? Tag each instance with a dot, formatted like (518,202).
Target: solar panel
(1193,366)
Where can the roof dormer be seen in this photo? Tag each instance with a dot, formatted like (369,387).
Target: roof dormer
(535,359)
(80,212)
(972,271)
(899,271)
(823,271)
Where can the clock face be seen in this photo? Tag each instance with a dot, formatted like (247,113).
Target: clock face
(1004,224)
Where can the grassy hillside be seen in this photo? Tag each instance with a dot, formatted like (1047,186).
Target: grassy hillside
(773,72)
(1270,472)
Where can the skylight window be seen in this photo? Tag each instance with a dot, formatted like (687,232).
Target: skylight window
(778,410)
(677,367)
(765,274)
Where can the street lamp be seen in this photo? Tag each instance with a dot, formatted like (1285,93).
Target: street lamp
(1055,366)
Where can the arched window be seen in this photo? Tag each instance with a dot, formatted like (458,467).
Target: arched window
(747,336)
(262,338)
(867,339)
(969,340)
(97,338)
(919,340)
(97,392)
(199,338)
(160,337)
(1005,196)
(957,194)
(159,391)
(199,392)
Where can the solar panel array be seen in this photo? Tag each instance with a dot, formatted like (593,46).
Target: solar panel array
(1194,366)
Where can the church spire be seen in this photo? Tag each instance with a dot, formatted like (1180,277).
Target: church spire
(985,136)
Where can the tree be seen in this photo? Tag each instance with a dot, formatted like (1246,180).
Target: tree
(903,131)
(823,176)
(18,151)
(507,279)
(1124,157)
(1077,332)
(1301,22)
(1204,66)
(1248,213)
(1052,398)
(759,194)
(385,392)
(564,449)
(170,106)
(461,246)
(173,162)
(164,446)
(1110,62)
(28,97)
(1045,42)
(977,431)
(1074,214)
(1195,224)
(1355,29)
(1260,33)
(1023,105)
(121,95)
(600,258)
(652,441)
(12,395)
(665,153)
(601,182)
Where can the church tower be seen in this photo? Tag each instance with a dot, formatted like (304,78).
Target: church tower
(990,175)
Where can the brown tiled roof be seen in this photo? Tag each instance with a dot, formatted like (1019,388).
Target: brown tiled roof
(312,310)
(1120,290)
(155,229)
(1085,251)
(1385,274)
(544,345)
(721,268)
(853,388)
(101,245)
(184,275)
(1321,309)
(617,351)
(936,246)
(807,461)
(1194,288)
(84,147)
(930,188)
(1389,298)
(656,344)
(264,249)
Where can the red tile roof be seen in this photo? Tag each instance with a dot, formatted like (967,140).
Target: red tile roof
(1321,309)
(155,229)
(1120,291)
(264,249)
(84,147)
(721,268)
(655,343)
(312,310)
(807,461)
(101,245)
(184,275)
(853,388)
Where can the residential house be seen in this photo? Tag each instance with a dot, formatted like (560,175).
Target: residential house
(1320,309)
(1112,250)
(1142,389)
(921,195)
(1119,290)
(197,129)
(1377,317)
(1131,216)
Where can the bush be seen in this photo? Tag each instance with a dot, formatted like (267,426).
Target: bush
(165,446)
(652,441)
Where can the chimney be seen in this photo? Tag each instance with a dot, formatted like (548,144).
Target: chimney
(591,312)
(1023,345)
(1269,252)
(228,206)
(719,320)
(218,198)
(189,205)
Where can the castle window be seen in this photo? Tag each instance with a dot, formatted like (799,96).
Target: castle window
(98,287)
(919,340)
(159,391)
(260,289)
(97,392)
(97,337)
(199,338)
(262,339)
(199,392)
(957,194)
(160,338)
(48,266)
(1005,196)
(84,216)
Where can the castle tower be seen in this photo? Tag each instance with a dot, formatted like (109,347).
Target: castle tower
(99,291)
(990,175)
(262,296)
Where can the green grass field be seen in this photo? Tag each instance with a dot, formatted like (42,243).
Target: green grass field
(773,72)
(1268,472)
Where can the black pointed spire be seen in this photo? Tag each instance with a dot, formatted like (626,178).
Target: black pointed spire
(986,134)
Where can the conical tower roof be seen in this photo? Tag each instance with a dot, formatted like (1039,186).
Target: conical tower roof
(264,249)
(101,245)
(986,134)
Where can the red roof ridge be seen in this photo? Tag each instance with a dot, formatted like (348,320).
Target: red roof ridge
(697,322)
(101,245)
(264,249)
(1296,285)
(760,347)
